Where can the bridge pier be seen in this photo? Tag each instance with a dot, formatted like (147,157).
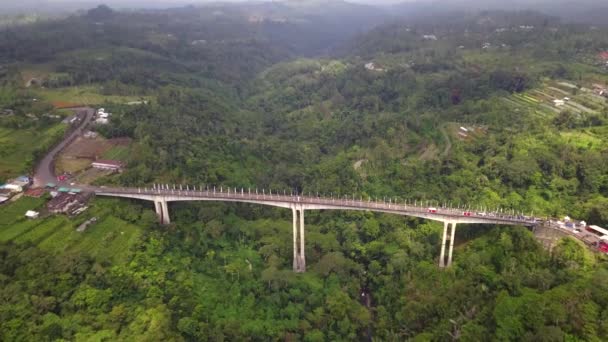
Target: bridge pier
(447,233)
(299,254)
(162,211)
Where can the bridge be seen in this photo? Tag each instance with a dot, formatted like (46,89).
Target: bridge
(161,195)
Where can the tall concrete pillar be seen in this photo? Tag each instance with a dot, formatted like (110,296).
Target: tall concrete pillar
(295,239)
(159,211)
(166,218)
(452,244)
(302,265)
(443,240)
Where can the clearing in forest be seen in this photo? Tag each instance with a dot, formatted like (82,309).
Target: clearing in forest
(77,157)
(557,96)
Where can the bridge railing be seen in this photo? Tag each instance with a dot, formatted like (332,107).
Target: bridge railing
(247,195)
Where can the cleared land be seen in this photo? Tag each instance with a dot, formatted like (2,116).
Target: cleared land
(541,100)
(84,95)
(78,156)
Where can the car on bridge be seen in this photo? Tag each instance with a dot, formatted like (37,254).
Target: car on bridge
(467,213)
(432,210)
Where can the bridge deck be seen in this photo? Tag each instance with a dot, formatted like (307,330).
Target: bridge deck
(310,202)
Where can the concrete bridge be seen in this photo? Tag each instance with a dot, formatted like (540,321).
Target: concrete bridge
(161,195)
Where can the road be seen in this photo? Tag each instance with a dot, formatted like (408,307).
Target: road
(45,171)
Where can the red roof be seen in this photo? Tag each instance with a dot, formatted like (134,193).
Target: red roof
(604,55)
(108,162)
(34,192)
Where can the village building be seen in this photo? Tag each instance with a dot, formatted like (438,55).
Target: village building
(32,214)
(558,103)
(90,135)
(429,37)
(13,187)
(35,193)
(103,164)
(68,203)
(3,199)
(372,67)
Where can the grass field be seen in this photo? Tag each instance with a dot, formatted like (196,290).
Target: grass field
(18,147)
(117,153)
(583,140)
(109,239)
(71,165)
(84,95)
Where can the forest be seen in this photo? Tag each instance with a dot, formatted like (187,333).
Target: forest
(261,96)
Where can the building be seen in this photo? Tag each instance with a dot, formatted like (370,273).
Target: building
(13,187)
(90,135)
(32,214)
(558,103)
(68,203)
(429,37)
(101,121)
(373,67)
(23,181)
(3,199)
(102,164)
(36,193)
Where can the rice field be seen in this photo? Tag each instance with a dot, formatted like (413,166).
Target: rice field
(541,100)
(109,239)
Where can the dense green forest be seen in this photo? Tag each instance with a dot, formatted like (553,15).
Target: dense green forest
(279,96)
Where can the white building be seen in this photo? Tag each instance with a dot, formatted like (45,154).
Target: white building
(107,165)
(558,103)
(32,214)
(13,187)
(102,121)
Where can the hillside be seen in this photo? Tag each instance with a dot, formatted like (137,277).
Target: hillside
(469,111)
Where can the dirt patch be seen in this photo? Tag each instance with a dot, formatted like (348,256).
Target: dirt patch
(358,164)
(120,141)
(63,104)
(87,148)
(430,152)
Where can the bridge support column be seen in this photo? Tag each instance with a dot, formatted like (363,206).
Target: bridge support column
(159,211)
(296,255)
(443,240)
(452,244)
(299,255)
(449,232)
(166,218)
(162,211)
(302,249)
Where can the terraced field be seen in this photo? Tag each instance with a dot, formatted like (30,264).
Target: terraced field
(110,238)
(541,100)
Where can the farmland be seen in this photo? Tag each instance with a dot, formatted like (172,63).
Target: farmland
(80,153)
(577,100)
(110,238)
(82,95)
(18,151)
